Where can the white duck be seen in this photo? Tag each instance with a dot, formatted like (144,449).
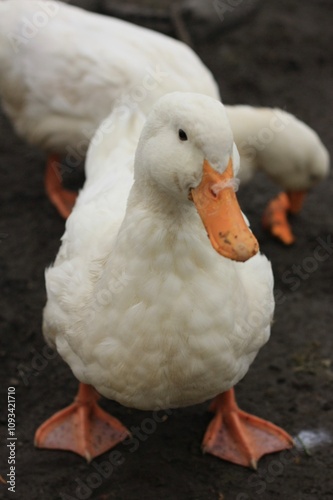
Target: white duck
(140,303)
(57,84)
(64,69)
(287,150)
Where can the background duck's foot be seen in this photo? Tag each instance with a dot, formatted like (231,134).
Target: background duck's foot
(296,200)
(62,199)
(275,219)
(83,427)
(239,437)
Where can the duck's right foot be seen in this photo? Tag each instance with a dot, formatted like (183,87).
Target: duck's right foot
(83,427)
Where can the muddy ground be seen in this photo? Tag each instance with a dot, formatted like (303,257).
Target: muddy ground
(281,57)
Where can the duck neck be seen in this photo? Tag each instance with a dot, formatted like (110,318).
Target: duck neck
(146,195)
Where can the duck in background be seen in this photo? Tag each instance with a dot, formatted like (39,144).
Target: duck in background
(63,70)
(57,85)
(140,303)
(289,152)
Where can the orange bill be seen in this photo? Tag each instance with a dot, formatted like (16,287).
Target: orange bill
(221,215)
(296,200)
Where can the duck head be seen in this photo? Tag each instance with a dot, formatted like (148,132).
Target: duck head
(297,161)
(314,168)
(186,149)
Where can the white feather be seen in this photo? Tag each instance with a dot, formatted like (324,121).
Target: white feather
(279,144)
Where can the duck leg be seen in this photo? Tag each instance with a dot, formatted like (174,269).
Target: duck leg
(63,199)
(239,437)
(275,217)
(82,427)
(296,200)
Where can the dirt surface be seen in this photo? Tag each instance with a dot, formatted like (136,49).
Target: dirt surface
(281,57)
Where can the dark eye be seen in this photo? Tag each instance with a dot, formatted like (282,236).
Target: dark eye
(182,135)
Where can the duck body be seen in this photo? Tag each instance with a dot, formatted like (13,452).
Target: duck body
(154,328)
(59,79)
(139,303)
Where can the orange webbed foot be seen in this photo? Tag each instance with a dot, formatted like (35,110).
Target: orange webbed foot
(241,438)
(83,427)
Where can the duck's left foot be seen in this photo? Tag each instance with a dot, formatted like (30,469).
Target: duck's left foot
(63,199)
(275,219)
(83,427)
(239,437)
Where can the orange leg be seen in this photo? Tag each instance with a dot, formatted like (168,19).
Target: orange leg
(275,217)
(83,427)
(239,437)
(296,200)
(62,199)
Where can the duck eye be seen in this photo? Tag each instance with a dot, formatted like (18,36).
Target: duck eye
(182,135)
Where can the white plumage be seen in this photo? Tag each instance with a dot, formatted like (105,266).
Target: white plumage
(59,84)
(63,70)
(139,303)
(276,142)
